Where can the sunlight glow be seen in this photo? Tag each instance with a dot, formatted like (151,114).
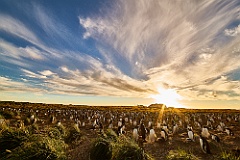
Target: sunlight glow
(169,97)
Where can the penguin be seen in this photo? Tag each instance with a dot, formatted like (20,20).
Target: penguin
(205,132)
(110,124)
(219,128)
(175,128)
(215,138)
(143,131)
(119,130)
(191,134)
(204,145)
(152,136)
(229,131)
(165,127)
(135,134)
(164,134)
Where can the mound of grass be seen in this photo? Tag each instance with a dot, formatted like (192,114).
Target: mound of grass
(111,147)
(180,155)
(127,149)
(39,147)
(73,135)
(23,143)
(11,138)
(101,150)
(111,135)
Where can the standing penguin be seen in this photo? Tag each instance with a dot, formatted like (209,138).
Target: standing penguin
(175,128)
(204,145)
(229,132)
(164,134)
(205,132)
(152,136)
(135,134)
(215,138)
(143,131)
(191,134)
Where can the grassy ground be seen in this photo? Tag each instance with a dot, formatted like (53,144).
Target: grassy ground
(21,137)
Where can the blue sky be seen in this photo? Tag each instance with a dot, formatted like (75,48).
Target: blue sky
(182,53)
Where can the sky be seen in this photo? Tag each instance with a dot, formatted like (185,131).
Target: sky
(183,53)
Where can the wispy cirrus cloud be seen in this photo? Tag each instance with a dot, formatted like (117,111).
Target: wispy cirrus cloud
(11,85)
(174,44)
(17,28)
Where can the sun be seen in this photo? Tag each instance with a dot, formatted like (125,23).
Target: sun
(169,97)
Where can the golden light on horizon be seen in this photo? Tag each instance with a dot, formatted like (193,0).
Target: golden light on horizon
(169,97)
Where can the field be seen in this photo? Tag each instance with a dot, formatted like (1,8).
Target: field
(55,131)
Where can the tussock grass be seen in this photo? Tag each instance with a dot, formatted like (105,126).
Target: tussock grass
(127,149)
(23,143)
(38,147)
(111,147)
(11,138)
(73,134)
(101,150)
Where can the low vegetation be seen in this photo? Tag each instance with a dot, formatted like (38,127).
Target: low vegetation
(110,147)
(23,143)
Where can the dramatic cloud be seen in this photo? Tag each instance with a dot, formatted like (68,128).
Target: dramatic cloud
(176,45)
(137,48)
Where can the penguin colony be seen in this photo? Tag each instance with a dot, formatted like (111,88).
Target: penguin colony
(141,126)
